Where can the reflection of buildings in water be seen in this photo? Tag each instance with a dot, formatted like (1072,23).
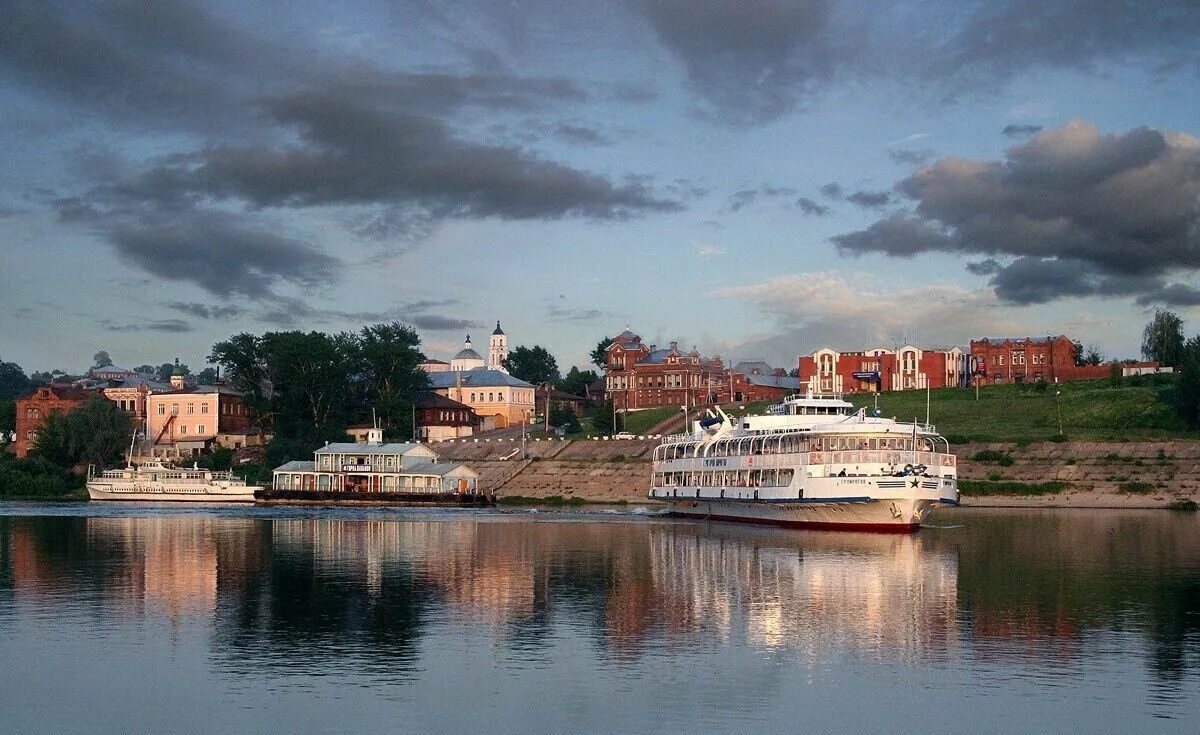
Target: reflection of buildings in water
(879,593)
(173,565)
(480,574)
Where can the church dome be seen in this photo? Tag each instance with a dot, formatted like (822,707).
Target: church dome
(467,354)
(498,330)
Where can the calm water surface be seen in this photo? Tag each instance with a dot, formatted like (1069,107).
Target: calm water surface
(120,618)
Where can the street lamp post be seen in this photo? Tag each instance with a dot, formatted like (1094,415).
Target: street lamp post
(1058,410)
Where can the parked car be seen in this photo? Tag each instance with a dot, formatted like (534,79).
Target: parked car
(623,435)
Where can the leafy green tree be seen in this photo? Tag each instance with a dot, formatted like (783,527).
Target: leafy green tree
(562,417)
(245,364)
(1093,356)
(8,418)
(391,375)
(598,355)
(101,360)
(207,376)
(576,381)
(13,383)
(96,432)
(1187,383)
(532,364)
(1162,339)
(145,369)
(309,375)
(164,372)
(1115,374)
(601,415)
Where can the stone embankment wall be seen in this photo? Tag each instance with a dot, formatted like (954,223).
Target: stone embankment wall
(1117,474)
(595,470)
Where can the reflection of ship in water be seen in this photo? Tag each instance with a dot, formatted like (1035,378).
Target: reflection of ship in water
(171,565)
(889,594)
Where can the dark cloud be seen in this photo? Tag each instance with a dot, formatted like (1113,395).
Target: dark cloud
(1079,212)
(355,149)
(744,198)
(291,312)
(985,267)
(911,157)
(897,235)
(810,207)
(174,326)
(206,311)
(870,199)
(224,255)
(580,135)
(1020,131)
(1175,294)
(833,190)
(752,61)
(1000,40)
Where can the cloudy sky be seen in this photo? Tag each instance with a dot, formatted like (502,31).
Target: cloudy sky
(754,177)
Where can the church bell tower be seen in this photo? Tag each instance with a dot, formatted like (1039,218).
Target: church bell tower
(498,349)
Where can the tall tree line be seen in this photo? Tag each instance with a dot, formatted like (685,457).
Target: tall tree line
(307,387)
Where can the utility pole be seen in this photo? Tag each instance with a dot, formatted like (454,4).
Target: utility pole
(1058,410)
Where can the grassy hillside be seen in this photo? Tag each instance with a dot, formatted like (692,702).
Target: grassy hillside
(1091,409)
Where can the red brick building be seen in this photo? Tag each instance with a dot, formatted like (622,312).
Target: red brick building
(880,369)
(33,409)
(638,375)
(1029,360)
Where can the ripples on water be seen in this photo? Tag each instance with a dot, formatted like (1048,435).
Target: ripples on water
(133,618)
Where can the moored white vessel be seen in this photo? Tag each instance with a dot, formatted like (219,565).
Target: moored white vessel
(155,481)
(810,461)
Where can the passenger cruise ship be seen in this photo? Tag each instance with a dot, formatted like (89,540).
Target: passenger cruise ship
(155,481)
(810,461)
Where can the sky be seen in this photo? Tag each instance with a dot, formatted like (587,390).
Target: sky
(755,178)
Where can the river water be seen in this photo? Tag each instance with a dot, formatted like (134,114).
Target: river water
(122,618)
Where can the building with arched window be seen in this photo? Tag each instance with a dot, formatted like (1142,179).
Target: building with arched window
(880,369)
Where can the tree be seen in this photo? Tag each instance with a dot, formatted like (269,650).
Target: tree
(532,364)
(1187,383)
(13,383)
(577,381)
(309,374)
(562,417)
(391,373)
(1093,356)
(245,367)
(145,369)
(101,360)
(164,371)
(600,355)
(601,415)
(207,376)
(96,432)
(1162,339)
(8,419)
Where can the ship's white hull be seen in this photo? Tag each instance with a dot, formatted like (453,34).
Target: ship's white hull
(165,492)
(874,514)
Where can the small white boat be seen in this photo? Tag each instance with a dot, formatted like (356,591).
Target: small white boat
(811,461)
(155,481)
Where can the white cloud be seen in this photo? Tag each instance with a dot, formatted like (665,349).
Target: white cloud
(709,251)
(907,139)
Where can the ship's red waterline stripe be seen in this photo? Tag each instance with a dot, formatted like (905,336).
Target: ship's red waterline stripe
(816,525)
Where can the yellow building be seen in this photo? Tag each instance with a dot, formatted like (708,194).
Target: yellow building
(498,399)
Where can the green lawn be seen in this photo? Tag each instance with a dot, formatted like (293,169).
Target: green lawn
(639,422)
(1091,409)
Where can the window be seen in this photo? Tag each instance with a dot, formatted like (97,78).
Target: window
(162,409)
(183,428)
(203,408)
(191,408)
(200,428)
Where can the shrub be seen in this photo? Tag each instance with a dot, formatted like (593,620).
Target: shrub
(1071,460)
(979,487)
(1185,504)
(1058,438)
(988,455)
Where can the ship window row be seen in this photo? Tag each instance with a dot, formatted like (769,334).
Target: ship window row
(789,444)
(725,478)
